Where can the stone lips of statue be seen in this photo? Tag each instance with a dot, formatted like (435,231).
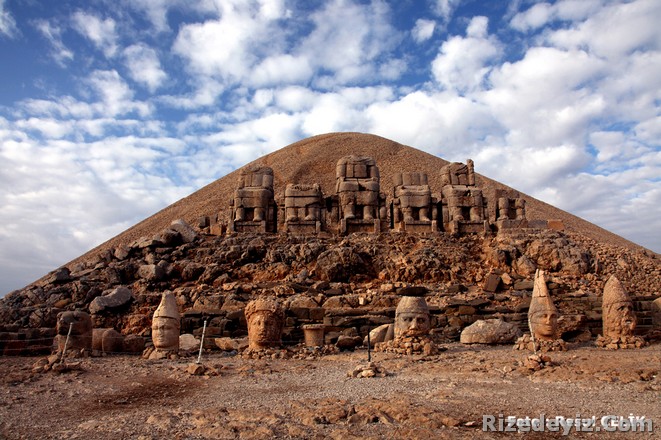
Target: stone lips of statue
(165,333)
(544,325)
(412,324)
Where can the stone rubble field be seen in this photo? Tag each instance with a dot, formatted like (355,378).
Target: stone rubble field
(443,396)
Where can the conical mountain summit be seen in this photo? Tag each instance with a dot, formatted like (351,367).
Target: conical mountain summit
(349,282)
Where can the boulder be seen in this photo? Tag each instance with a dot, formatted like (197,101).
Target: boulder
(188,342)
(186,231)
(111,299)
(491,331)
(339,264)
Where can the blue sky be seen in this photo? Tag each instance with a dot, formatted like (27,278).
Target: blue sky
(111,110)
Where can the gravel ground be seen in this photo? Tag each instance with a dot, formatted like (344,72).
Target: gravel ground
(443,396)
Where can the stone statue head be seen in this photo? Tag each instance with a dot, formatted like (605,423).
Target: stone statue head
(80,324)
(165,324)
(412,317)
(542,314)
(265,322)
(79,321)
(618,317)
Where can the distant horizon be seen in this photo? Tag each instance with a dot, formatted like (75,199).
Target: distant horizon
(109,112)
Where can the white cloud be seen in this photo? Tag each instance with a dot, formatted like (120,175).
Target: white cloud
(155,10)
(116,96)
(445,8)
(282,69)
(53,33)
(534,18)
(615,30)
(463,63)
(101,32)
(7,22)
(225,48)
(423,29)
(349,40)
(144,66)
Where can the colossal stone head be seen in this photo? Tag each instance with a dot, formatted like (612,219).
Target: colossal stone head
(542,314)
(80,324)
(618,317)
(165,324)
(265,322)
(412,317)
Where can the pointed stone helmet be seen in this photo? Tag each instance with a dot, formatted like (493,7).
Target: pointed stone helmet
(614,292)
(168,307)
(541,299)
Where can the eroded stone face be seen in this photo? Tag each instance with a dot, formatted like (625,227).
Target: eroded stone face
(166,325)
(265,322)
(412,317)
(165,333)
(542,314)
(544,324)
(619,318)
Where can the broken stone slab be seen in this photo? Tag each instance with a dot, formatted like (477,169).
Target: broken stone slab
(188,342)
(490,331)
(186,231)
(151,272)
(111,299)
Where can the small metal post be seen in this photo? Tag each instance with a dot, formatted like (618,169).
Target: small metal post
(204,330)
(66,342)
(369,348)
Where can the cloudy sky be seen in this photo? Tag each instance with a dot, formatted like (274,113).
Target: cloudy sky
(112,109)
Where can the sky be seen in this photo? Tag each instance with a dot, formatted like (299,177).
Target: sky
(111,110)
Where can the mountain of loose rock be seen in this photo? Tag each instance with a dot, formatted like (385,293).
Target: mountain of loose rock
(349,283)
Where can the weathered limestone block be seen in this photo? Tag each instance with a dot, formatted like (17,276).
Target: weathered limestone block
(151,272)
(188,342)
(107,340)
(188,234)
(490,331)
(78,326)
(111,299)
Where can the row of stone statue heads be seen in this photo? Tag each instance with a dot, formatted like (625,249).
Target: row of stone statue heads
(358,204)
(409,333)
(618,317)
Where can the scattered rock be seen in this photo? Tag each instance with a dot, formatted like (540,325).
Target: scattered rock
(491,331)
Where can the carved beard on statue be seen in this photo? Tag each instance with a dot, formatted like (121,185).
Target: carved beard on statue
(619,319)
(411,324)
(165,333)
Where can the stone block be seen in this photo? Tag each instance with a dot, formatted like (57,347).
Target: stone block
(492,282)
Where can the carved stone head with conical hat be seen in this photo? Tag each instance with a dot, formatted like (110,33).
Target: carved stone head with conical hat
(412,317)
(618,316)
(165,324)
(265,322)
(542,314)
